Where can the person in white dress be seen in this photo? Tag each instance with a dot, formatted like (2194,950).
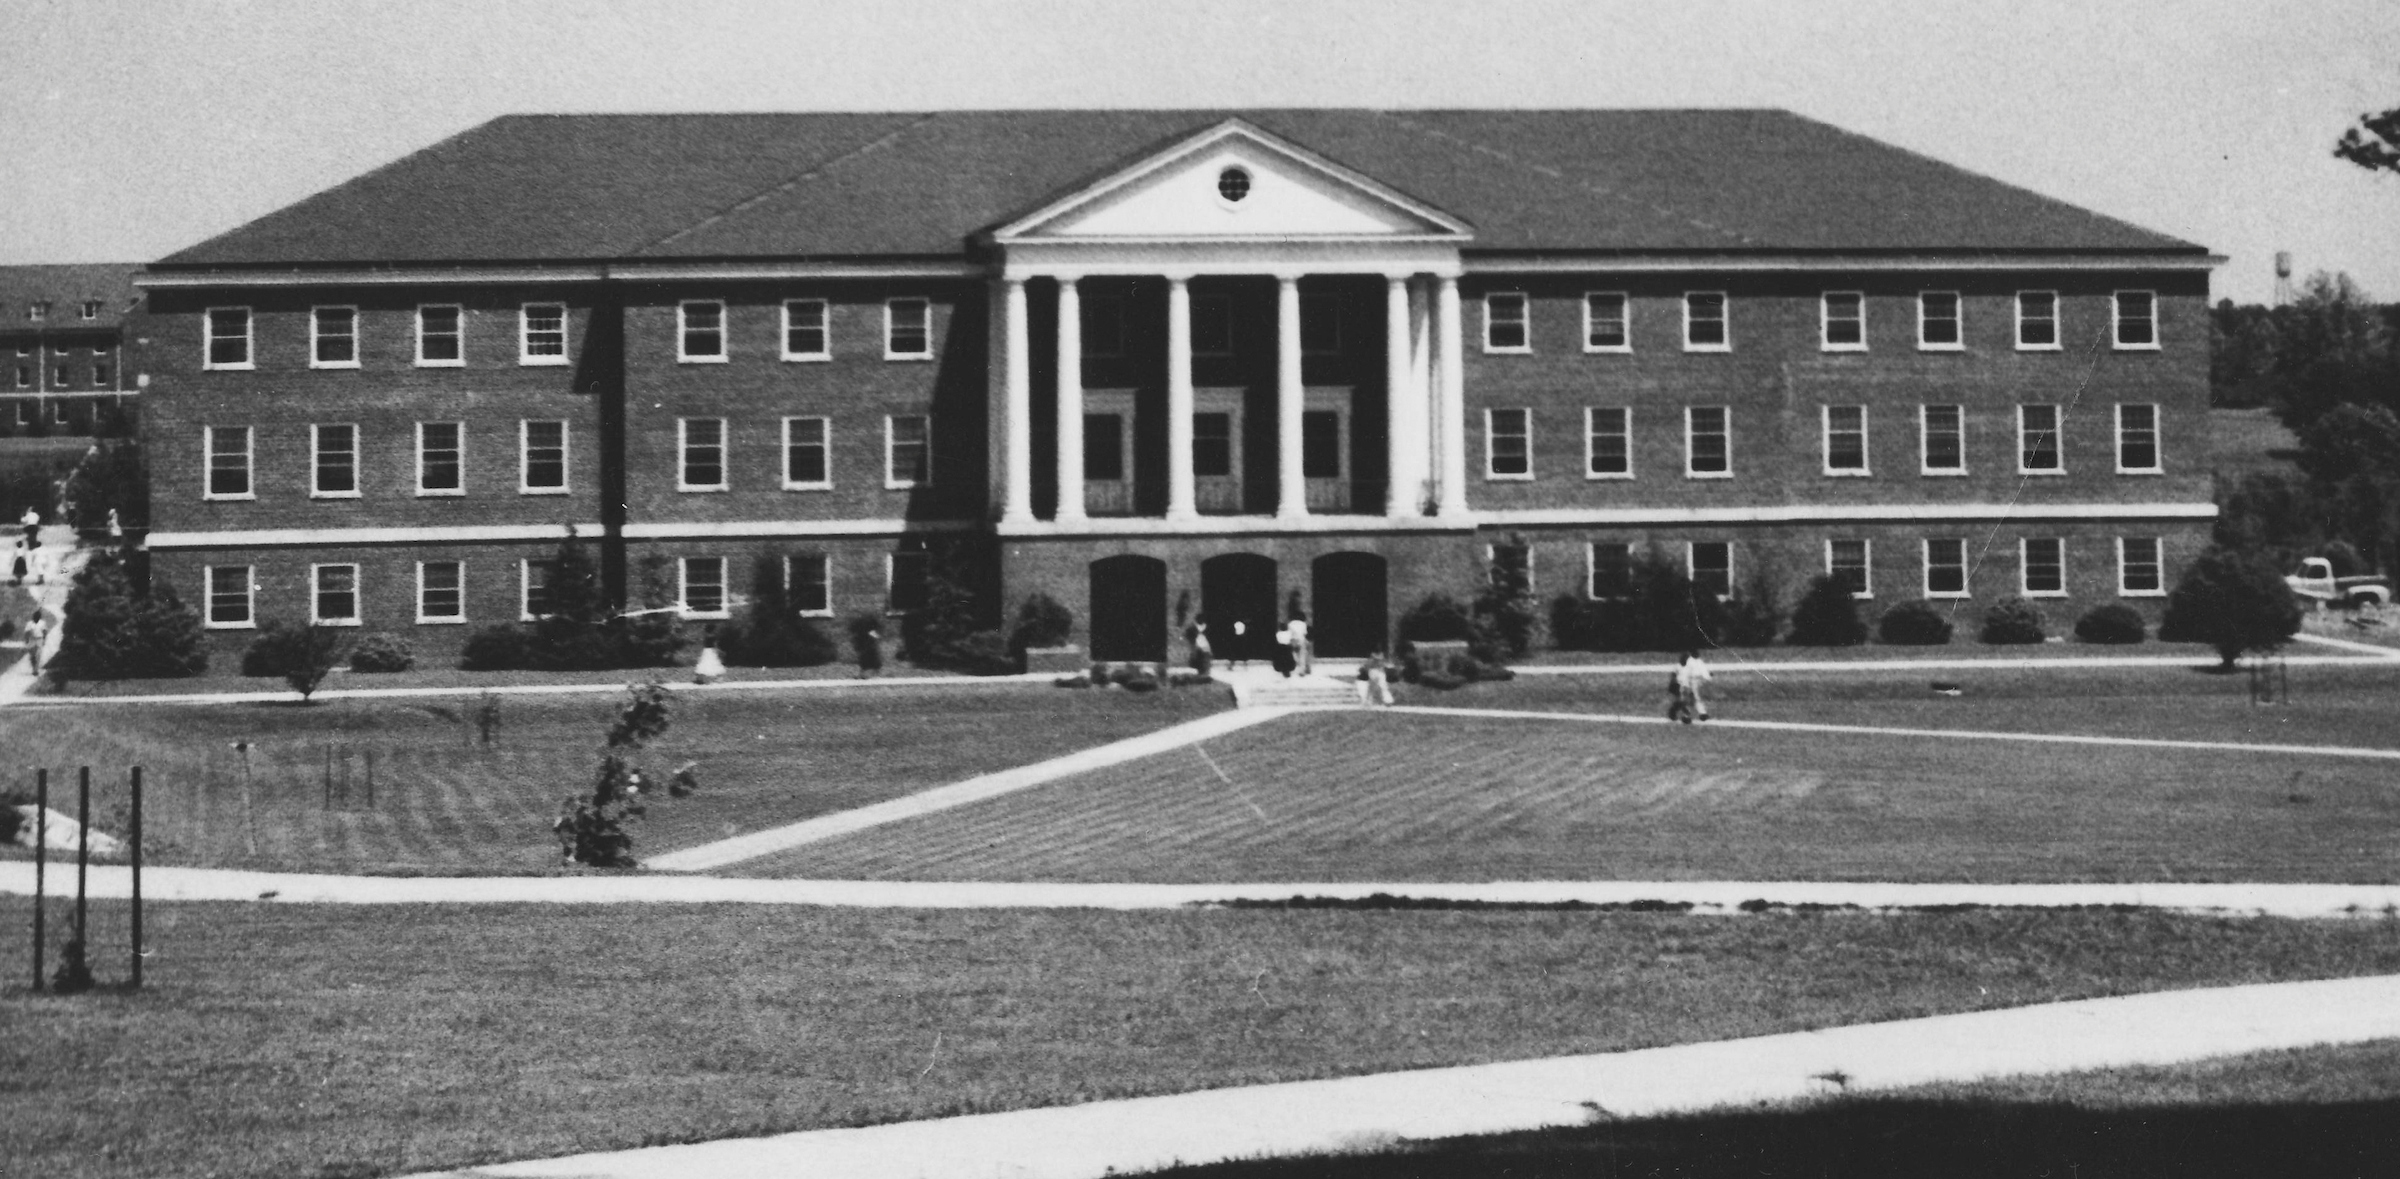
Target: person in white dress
(1690,675)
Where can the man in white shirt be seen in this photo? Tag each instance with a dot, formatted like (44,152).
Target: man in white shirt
(1296,633)
(1690,674)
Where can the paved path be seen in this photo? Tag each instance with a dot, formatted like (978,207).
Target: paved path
(759,843)
(18,677)
(2375,649)
(1706,897)
(1096,1139)
(1723,662)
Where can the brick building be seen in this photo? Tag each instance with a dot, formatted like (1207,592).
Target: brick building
(62,346)
(1331,353)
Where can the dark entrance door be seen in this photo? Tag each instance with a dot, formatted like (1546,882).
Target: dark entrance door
(1129,608)
(1347,592)
(1239,587)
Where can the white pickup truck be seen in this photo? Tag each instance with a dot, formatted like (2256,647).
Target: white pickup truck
(2316,580)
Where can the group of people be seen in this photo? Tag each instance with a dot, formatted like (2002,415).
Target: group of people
(1293,653)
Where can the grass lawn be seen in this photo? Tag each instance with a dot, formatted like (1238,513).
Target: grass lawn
(442,803)
(222,679)
(2243,441)
(2319,1113)
(357,1041)
(1962,646)
(1390,796)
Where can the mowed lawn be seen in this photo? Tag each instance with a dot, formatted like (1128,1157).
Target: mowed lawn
(1412,797)
(406,786)
(296,1041)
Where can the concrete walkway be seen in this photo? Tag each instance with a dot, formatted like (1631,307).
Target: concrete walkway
(1723,662)
(19,677)
(1100,1138)
(1705,897)
(2376,649)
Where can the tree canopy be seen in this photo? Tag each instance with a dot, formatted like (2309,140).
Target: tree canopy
(2374,144)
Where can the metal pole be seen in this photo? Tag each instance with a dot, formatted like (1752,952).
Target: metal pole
(136,835)
(370,779)
(83,850)
(41,864)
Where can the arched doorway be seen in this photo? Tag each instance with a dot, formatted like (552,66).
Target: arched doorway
(1129,608)
(1347,604)
(1239,587)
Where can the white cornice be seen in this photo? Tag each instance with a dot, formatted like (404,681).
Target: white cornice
(1843,514)
(913,268)
(323,537)
(739,529)
(1232,526)
(539,275)
(1846,263)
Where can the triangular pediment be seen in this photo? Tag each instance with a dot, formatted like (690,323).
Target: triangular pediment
(1234,182)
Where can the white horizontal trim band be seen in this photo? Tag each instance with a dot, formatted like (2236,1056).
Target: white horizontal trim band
(926,268)
(1846,513)
(1704,263)
(622,272)
(727,529)
(1234,526)
(275,537)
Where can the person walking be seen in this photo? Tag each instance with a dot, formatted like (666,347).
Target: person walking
(711,666)
(1295,633)
(1374,679)
(36,632)
(1686,681)
(1240,655)
(1202,653)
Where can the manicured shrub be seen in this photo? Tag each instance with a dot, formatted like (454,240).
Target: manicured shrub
(1505,607)
(962,577)
(2233,601)
(500,647)
(381,652)
(1755,615)
(771,632)
(2012,621)
(302,653)
(1041,622)
(984,652)
(1827,615)
(1440,618)
(2115,623)
(115,631)
(1914,624)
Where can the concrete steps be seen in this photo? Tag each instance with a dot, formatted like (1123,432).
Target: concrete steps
(1273,691)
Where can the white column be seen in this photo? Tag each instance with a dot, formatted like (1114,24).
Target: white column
(1426,431)
(1181,503)
(1452,389)
(1070,403)
(1400,410)
(1017,503)
(1291,486)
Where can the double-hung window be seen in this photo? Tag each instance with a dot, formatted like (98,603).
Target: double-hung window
(2044,567)
(230,589)
(808,584)
(2137,440)
(1506,326)
(907,451)
(1945,567)
(534,576)
(228,462)
(2037,321)
(334,461)
(542,334)
(441,336)
(2137,320)
(333,595)
(904,581)
(441,458)
(1938,325)
(2140,571)
(1611,570)
(1711,565)
(1847,561)
(1508,443)
(1212,445)
(1842,321)
(703,454)
(1607,442)
(703,587)
(1607,322)
(228,345)
(807,454)
(441,592)
(1846,440)
(907,329)
(700,331)
(1942,444)
(807,332)
(1705,327)
(2037,441)
(333,337)
(1707,442)
(542,458)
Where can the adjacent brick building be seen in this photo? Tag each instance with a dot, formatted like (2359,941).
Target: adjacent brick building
(1331,353)
(63,347)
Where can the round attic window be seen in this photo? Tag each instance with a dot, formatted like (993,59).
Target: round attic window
(1233,184)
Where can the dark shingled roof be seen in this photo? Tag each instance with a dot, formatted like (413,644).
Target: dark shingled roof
(66,289)
(604,187)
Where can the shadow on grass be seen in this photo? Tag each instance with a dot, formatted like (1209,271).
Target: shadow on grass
(1868,1138)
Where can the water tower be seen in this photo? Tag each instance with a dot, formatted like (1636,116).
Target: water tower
(2283,278)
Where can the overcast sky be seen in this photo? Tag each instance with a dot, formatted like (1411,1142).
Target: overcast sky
(129,130)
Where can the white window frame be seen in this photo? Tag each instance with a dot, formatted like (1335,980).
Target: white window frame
(683,588)
(316,460)
(683,329)
(1591,432)
(316,574)
(2117,321)
(458,619)
(1688,435)
(889,321)
(2025,567)
(1624,321)
(1866,554)
(461,360)
(1925,442)
(1490,451)
(1524,322)
(91,308)
(1958,322)
(2158,561)
(1866,467)
(1825,321)
(1724,321)
(2058,333)
(825,562)
(2158,455)
(891,481)
(315,334)
(683,456)
(825,435)
(1691,566)
(1591,564)
(525,589)
(208,464)
(434,492)
(2058,438)
(209,338)
(566,457)
(208,598)
(1966,579)
(525,354)
(824,331)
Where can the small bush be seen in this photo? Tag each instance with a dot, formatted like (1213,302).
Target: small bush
(381,652)
(1914,624)
(302,654)
(500,647)
(985,652)
(2115,623)
(1827,615)
(1441,618)
(1754,615)
(1041,622)
(2013,621)
(766,641)
(2233,601)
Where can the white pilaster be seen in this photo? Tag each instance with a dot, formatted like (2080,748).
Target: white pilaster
(1291,485)
(1425,429)
(1181,502)
(1070,403)
(1452,390)
(1401,412)
(1017,502)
